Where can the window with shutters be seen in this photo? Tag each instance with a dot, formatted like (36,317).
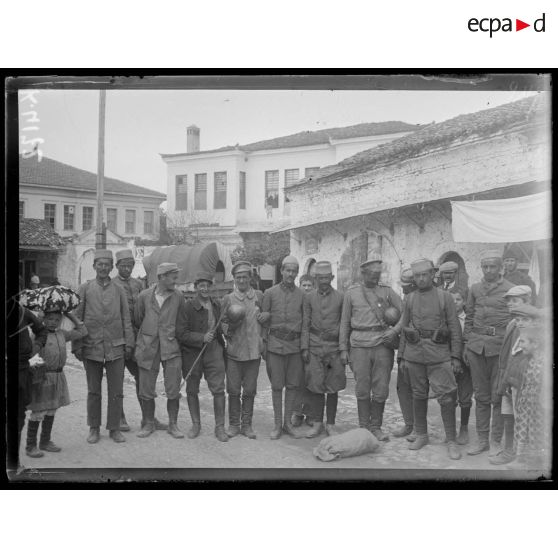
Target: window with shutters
(130,226)
(291,176)
(21,210)
(200,191)
(87,218)
(272,188)
(310,171)
(148,222)
(181,191)
(50,214)
(242,190)
(69,217)
(112,216)
(220,185)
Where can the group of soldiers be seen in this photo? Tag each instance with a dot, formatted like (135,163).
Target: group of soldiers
(307,338)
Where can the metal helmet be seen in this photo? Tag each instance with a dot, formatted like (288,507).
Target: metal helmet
(391,315)
(236,312)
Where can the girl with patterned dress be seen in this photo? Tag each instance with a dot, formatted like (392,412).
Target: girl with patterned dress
(50,388)
(530,434)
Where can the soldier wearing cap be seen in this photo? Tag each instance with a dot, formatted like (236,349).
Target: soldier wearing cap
(509,261)
(371,355)
(431,349)
(282,320)
(324,371)
(155,316)
(199,326)
(486,319)
(244,348)
(109,341)
(404,391)
(512,363)
(525,279)
(125,263)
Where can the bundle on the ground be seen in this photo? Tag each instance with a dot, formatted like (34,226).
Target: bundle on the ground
(349,444)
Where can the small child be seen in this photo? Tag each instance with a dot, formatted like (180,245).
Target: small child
(52,391)
(464,380)
(530,428)
(306,283)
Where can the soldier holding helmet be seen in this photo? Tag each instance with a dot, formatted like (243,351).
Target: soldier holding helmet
(241,309)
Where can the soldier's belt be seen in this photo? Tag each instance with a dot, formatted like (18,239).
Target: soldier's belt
(286,335)
(426,333)
(325,334)
(369,328)
(488,330)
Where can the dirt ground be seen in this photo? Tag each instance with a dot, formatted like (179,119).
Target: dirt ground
(161,451)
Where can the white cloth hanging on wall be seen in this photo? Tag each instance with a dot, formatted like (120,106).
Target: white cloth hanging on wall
(505,220)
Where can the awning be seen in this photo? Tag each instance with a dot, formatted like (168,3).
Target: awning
(504,220)
(191,260)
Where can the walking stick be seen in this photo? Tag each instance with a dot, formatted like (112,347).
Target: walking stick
(214,329)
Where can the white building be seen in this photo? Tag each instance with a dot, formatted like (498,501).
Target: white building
(221,194)
(65,197)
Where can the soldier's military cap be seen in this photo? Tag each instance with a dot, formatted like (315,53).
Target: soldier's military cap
(422,265)
(203,276)
(124,255)
(166,267)
(322,268)
(509,253)
(519,290)
(406,277)
(289,260)
(375,258)
(523,266)
(449,266)
(491,255)
(105,254)
(239,267)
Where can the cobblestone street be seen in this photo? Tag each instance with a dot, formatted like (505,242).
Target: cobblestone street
(162,451)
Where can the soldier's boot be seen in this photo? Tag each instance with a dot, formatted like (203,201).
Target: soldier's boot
(173,406)
(420,409)
(94,435)
(482,411)
(247,414)
(124,426)
(331,413)
(277,400)
(31,448)
(291,399)
(316,402)
(219,411)
(497,431)
(234,416)
(363,409)
(405,396)
(46,444)
(194,408)
(463,436)
(148,408)
(448,418)
(376,416)
(117,436)
(412,436)
(508,454)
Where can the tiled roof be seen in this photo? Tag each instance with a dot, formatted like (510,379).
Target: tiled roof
(436,136)
(317,137)
(36,232)
(49,172)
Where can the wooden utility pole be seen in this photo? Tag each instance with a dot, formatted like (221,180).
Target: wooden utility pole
(100,236)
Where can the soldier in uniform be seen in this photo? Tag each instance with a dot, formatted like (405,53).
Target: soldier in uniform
(448,273)
(324,371)
(509,260)
(404,391)
(156,318)
(198,325)
(525,279)
(364,332)
(244,348)
(125,263)
(486,319)
(109,341)
(282,317)
(431,353)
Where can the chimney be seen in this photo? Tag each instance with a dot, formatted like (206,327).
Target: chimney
(192,139)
